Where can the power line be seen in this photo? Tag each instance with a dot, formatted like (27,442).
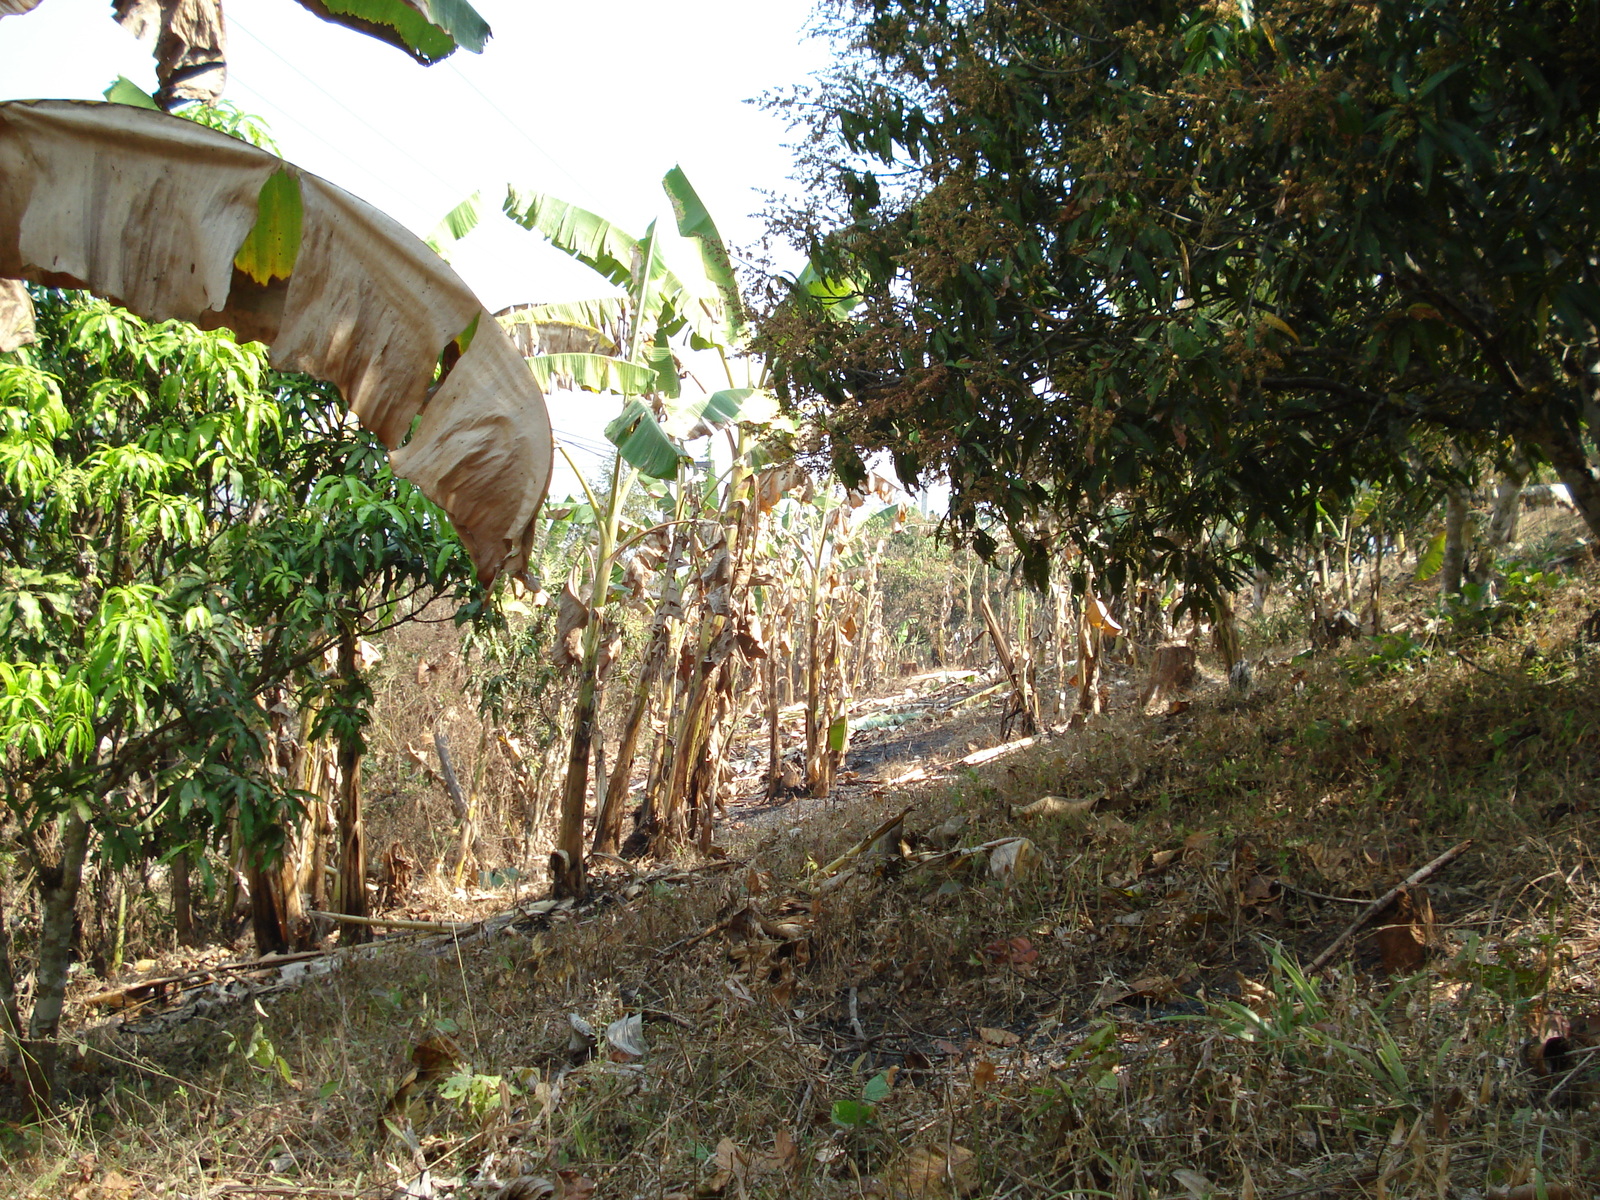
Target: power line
(399,149)
(522,133)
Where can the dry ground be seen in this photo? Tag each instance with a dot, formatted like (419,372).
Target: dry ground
(1123,1012)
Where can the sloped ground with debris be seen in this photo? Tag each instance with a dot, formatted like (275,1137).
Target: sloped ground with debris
(1080,967)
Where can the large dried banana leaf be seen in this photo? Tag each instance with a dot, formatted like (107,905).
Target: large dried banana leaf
(155,213)
(190,46)
(16,315)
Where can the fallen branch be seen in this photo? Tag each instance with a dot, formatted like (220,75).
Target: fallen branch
(396,923)
(1383,902)
(861,847)
(129,994)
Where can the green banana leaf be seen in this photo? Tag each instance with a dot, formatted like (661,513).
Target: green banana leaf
(455,225)
(592,373)
(273,243)
(608,313)
(126,91)
(591,239)
(658,357)
(601,246)
(428,30)
(695,223)
(1432,558)
(643,443)
(837,296)
(701,415)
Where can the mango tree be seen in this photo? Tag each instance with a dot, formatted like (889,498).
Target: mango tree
(178,221)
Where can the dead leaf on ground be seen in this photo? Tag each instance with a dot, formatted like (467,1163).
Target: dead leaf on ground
(574,1185)
(435,1057)
(785,1152)
(1017,952)
(931,1171)
(998,1037)
(732,1166)
(1017,860)
(1146,987)
(1530,1191)
(1051,806)
(626,1036)
(1404,931)
(112,1186)
(983,1074)
(1196,1184)
(528,1187)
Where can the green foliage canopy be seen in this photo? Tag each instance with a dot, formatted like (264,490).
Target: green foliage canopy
(182,529)
(1132,271)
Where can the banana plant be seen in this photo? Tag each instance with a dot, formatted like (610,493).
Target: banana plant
(624,345)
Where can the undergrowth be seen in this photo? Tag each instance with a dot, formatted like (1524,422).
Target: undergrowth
(1132,1017)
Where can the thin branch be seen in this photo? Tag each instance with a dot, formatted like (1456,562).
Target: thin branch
(1383,902)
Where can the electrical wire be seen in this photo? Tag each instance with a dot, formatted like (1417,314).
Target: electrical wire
(523,134)
(233,23)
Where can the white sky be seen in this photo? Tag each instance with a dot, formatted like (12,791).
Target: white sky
(591,101)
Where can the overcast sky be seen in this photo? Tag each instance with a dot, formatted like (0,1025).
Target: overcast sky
(591,101)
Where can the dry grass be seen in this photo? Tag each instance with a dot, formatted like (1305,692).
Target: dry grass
(1131,1022)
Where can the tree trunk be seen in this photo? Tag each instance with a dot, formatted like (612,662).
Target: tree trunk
(10,1015)
(59,884)
(566,861)
(608,820)
(1453,568)
(352,892)
(1503,516)
(460,805)
(1088,665)
(1563,446)
(182,899)
(1225,627)
(1025,705)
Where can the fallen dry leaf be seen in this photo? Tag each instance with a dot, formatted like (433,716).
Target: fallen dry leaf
(1017,860)
(785,1152)
(1530,1191)
(435,1057)
(573,1185)
(1404,931)
(983,1074)
(732,1166)
(1051,806)
(931,1171)
(626,1036)
(998,1037)
(1011,952)
(528,1187)
(1196,1184)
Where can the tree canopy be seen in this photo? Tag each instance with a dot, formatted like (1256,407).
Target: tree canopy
(1132,272)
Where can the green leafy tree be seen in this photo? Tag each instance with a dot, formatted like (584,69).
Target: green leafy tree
(181,530)
(1136,275)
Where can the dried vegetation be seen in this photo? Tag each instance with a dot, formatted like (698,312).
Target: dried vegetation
(901,998)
